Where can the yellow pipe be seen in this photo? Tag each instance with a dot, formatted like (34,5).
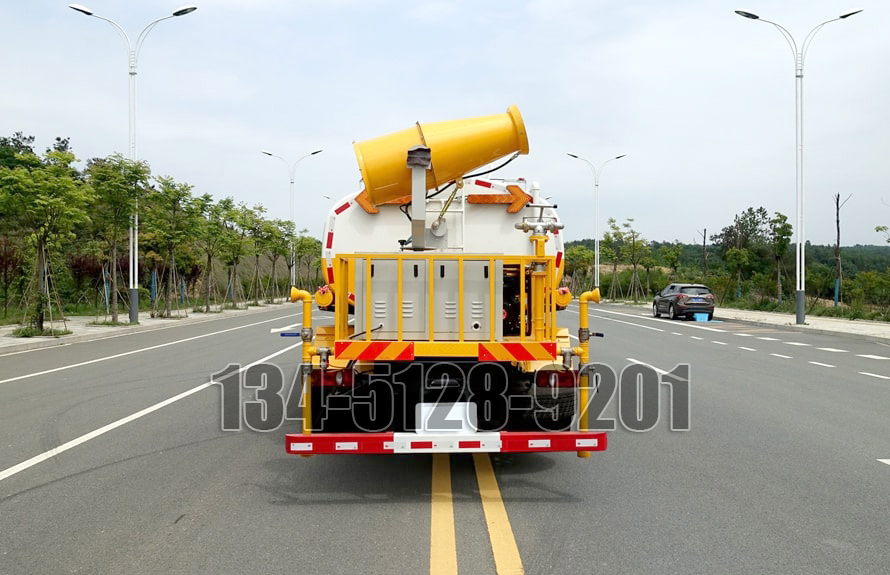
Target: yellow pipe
(583,350)
(399,297)
(308,351)
(538,279)
(460,300)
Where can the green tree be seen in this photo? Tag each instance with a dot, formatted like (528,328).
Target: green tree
(280,240)
(119,184)
(173,220)
(670,253)
(211,236)
(780,240)
(47,199)
(578,264)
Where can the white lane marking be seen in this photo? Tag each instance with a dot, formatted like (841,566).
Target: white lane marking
(285,328)
(656,319)
(869,356)
(832,349)
(873,375)
(718,342)
(123,421)
(743,334)
(780,355)
(747,348)
(821,364)
(797,343)
(660,371)
(676,333)
(628,323)
(769,338)
(696,337)
(887,461)
(132,351)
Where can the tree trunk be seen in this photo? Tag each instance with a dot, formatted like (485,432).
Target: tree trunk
(207,281)
(168,305)
(114,299)
(41,285)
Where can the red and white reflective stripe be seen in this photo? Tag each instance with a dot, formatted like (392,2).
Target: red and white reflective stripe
(487,441)
(342,208)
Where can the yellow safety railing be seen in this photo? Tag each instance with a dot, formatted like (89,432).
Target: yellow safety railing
(537,302)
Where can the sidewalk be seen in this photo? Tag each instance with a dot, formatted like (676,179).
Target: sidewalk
(813,324)
(82,330)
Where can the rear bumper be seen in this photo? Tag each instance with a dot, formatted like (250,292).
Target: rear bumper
(490,442)
(692,309)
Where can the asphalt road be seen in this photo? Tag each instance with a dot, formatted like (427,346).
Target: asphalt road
(780,473)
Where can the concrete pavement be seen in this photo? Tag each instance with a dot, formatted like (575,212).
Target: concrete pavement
(84,327)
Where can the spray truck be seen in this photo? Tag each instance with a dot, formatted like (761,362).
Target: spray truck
(443,281)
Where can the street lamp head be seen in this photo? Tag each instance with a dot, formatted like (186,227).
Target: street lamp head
(267,152)
(572,155)
(619,157)
(185,10)
(851,13)
(747,15)
(81,8)
(315,152)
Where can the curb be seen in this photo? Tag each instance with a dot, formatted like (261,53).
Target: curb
(40,342)
(815,330)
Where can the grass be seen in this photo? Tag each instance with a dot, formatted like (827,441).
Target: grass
(34,332)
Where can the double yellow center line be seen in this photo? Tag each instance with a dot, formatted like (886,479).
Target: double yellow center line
(443,546)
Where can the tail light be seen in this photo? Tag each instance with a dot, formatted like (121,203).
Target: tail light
(332,377)
(556,378)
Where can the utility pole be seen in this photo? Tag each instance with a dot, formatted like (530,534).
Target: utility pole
(838,280)
(704,254)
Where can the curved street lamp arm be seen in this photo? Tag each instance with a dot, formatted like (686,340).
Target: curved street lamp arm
(144,33)
(121,32)
(788,38)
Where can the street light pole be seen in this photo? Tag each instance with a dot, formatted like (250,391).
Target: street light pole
(799,57)
(132,59)
(596,207)
(292,172)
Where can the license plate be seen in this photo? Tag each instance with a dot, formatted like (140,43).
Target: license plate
(697,300)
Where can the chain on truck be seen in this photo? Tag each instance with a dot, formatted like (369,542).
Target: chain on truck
(444,285)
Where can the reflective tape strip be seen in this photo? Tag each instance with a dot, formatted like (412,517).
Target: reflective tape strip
(374,350)
(529,351)
(342,208)
(409,442)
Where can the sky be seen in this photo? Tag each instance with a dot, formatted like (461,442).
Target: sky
(700,100)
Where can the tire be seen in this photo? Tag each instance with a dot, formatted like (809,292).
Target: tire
(711,316)
(673,311)
(655,312)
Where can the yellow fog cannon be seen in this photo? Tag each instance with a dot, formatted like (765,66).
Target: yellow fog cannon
(457,147)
